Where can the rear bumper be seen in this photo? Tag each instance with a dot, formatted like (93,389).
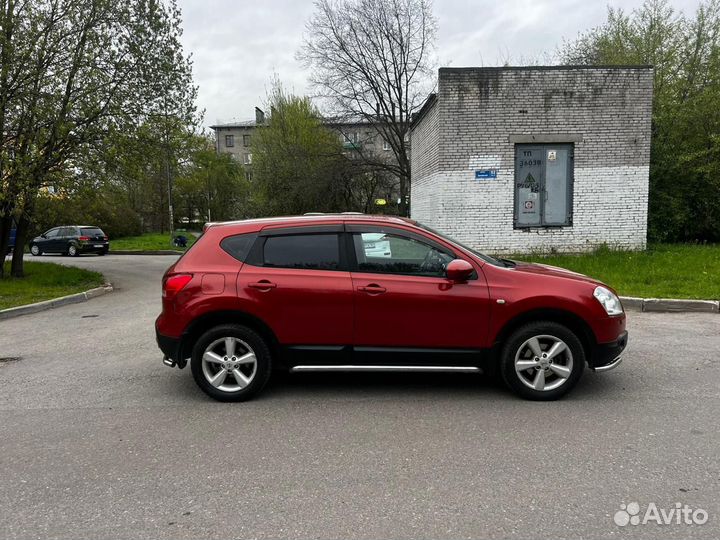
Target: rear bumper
(93,248)
(606,356)
(169,346)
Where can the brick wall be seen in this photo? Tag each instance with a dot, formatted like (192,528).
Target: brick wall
(480,113)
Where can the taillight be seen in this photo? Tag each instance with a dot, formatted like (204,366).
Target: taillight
(105,238)
(84,238)
(174,284)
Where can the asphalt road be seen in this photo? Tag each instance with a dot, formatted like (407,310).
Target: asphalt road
(99,440)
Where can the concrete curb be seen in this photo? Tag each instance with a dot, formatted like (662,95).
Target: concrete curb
(670,305)
(156,252)
(56,302)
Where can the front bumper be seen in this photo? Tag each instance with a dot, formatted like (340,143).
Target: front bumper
(606,356)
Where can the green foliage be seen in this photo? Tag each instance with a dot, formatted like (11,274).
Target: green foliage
(88,207)
(663,271)
(298,164)
(211,186)
(148,242)
(44,281)
(685,156)
(73,73)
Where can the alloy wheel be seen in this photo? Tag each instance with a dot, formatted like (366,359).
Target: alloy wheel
(35,250)
(543,363)
(229,364)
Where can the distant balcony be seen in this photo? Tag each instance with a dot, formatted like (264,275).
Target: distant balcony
(349,145)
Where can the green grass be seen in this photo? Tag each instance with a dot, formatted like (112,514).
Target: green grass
(148,242)
(44,281)
(663,271)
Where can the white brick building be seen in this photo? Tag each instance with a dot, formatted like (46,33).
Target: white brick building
(511,160)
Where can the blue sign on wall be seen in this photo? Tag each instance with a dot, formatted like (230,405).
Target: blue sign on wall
(485,173)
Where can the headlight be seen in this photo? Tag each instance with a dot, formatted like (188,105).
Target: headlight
(609,301)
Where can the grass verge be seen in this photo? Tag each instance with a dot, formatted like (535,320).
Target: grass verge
(45,281)
(148,242)
(662,271)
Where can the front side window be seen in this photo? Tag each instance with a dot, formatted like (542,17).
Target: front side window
(52,233)
(229,141)
(543,185)
(303,251)
(395,254)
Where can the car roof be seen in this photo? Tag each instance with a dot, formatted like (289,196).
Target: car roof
(313,218)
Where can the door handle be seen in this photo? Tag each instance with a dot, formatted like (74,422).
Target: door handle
(262,285)
(372,289)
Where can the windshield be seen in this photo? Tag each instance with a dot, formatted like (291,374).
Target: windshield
(482,256)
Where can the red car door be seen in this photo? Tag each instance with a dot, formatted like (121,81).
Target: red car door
(298,288)
(403,299)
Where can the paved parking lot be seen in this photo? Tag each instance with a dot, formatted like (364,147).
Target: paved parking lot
(99,440)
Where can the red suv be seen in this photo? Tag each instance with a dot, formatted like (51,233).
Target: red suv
(371,293)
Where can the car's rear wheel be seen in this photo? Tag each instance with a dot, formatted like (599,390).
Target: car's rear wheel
(73,250)
(231,363)
(35,250)
(542,361)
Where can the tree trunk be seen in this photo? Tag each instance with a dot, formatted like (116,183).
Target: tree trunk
(17,268)
(404,210)
(5,226)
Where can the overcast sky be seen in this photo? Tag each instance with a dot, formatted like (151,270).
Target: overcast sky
(237,46)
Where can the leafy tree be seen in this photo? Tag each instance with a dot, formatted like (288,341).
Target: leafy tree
(212,186)
(685,154)
(297,162)
(370,60)
(72,71)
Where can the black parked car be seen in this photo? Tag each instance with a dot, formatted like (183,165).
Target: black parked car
(71,240)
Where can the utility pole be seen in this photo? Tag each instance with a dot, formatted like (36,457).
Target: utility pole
(168,175)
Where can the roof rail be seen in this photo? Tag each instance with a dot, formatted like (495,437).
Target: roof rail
(352,213)
(314,214)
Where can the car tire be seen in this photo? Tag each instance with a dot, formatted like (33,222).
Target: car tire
(73,250)
(35,250)
(216,374)
(542,361)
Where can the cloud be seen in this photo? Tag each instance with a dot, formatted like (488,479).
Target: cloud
(237,47)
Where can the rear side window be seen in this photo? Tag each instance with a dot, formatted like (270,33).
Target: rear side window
(239,245)
(90,231)
(305,251)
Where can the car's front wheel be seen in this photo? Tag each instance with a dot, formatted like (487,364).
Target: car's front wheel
(542,361)
(231,362)
(35,250)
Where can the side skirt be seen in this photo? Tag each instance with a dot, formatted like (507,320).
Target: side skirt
(347,358)
(387,368)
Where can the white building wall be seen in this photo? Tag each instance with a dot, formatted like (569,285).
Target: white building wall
(478,114)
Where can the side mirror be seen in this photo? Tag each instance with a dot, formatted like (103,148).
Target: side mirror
(459,270)
(43,236)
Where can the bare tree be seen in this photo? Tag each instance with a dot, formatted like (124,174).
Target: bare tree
(371,60)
